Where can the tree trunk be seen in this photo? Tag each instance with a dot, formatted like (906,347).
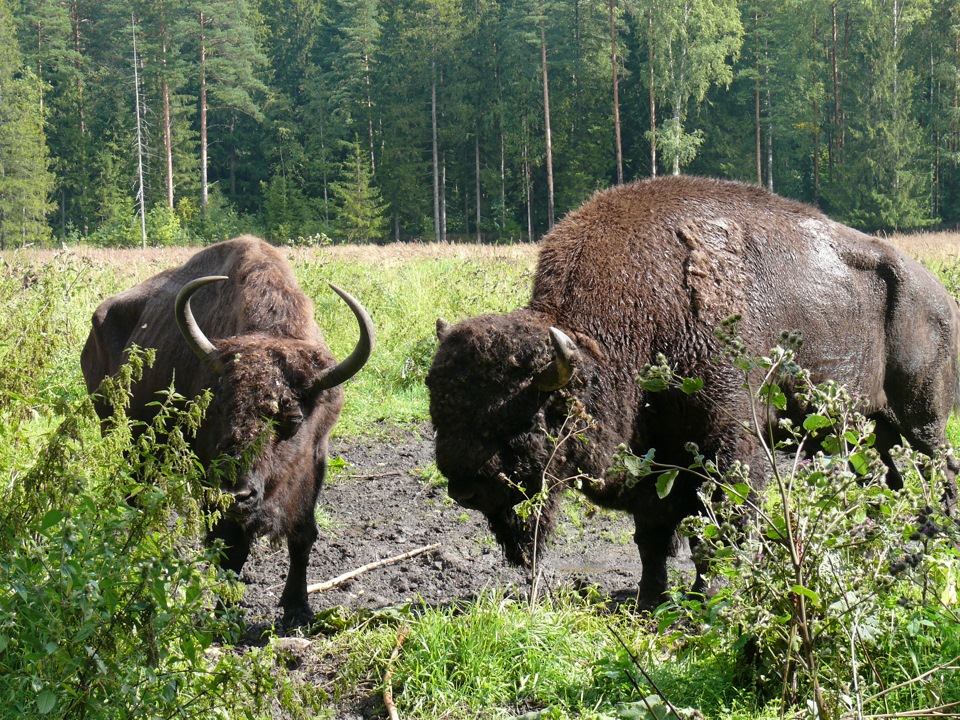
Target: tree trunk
(616,95)
(366,69)
(526,182)
(653,98)
(436,157)
(546,120)
(141,193)
(443,198)
(756,106)
(756,112)
(204,187)
(476,155)
(769,140)
(816,120)
(78,65)
(167,119)
(233,155)
(834,61)
(503,185)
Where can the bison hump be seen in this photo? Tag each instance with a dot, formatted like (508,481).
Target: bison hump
(714,267)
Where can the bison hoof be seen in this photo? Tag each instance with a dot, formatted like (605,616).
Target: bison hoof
(297,617)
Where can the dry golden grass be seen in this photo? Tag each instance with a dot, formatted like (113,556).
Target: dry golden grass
(135,263)
(934,247)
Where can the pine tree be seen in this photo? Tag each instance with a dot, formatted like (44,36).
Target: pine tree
(362,213)
(25,177)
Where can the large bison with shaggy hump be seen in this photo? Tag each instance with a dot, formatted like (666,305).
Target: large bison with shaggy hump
(276,387)
(654,267)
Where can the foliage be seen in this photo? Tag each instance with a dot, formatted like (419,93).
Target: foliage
(26,180)
(286,211)
(163,227)
(404,297)
(361,209)
(107,608)
(822,562)
(90,562)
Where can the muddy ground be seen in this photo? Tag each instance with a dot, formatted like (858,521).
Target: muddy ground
(388,500)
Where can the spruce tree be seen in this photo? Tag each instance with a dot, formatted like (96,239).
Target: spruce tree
(361,216)
(25,177)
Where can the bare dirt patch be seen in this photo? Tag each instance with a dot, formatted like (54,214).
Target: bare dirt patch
(383,504)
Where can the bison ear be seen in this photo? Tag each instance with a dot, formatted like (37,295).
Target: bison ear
(443,327)
(559,372)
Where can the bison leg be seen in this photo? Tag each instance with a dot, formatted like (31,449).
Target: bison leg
(921,438)
(296,606)
(886,438)
(655,543)
(236,544)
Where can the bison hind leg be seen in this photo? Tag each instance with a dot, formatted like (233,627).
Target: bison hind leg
(656,543)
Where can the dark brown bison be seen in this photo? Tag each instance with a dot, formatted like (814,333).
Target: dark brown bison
(276,387)
(654,267)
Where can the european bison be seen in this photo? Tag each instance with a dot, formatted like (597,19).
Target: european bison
(275,384)
(654,267)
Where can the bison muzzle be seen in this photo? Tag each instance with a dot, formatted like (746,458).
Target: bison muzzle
(651,268)
(233,320)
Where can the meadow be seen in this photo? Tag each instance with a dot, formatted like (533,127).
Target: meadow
(108,612)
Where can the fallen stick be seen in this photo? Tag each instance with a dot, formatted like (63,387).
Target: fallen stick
(388,676)
(319,587)
(364,476)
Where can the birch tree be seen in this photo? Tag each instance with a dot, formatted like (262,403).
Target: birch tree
(692,50)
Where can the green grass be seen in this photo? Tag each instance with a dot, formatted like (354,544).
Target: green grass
(404,300)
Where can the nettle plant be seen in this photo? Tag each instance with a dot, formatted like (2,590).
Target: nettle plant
(575,428)
(819,561)
(107,600)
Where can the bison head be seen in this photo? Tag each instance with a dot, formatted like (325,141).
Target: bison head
(500,387)
(274,404)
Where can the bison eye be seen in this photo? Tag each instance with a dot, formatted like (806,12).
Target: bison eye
(288,424)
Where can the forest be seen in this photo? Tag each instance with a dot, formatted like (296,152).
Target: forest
(164,122)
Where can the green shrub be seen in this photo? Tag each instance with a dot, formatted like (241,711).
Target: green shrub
(107,602)
(824,567)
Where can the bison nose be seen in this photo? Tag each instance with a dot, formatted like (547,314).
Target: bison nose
(463,494)
(244,498)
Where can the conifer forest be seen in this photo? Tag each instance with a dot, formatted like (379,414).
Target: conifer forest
(315,121)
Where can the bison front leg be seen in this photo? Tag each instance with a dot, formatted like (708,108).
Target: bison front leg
(294,601)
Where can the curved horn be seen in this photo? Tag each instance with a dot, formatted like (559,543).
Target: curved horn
(558,373)
(345,370)
(191,332)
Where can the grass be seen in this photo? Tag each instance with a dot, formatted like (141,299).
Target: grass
(497,657)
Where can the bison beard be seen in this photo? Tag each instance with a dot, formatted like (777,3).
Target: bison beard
(276,388)
(653,268)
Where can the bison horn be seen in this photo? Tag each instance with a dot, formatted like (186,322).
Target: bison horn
(191,332)
(559,372)
(345,370)
(443,327)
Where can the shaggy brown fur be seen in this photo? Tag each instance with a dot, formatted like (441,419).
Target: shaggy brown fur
(263,326)
(653,267)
